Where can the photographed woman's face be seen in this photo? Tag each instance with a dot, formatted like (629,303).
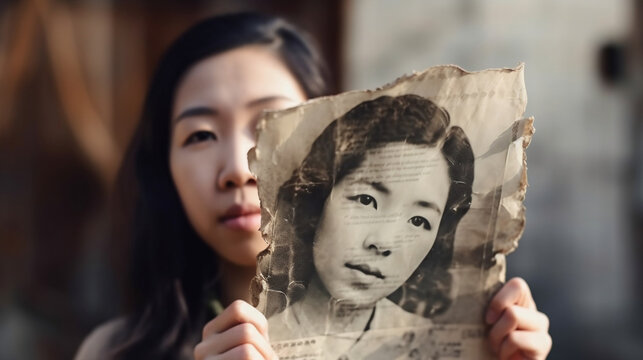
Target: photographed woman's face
(215,112)
(380,221)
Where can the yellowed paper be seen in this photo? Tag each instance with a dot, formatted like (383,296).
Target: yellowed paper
(389,214)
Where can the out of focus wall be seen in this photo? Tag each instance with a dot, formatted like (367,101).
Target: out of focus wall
(576,252)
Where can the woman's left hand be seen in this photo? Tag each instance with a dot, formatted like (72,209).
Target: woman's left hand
(518,330)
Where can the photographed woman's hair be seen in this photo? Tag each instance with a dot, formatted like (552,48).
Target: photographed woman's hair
(172,269)
(336,153)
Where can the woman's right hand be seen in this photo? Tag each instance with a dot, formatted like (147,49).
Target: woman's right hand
(239,332)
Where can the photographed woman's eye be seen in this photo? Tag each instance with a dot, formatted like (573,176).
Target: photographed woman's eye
(418,221)
(364,199)
(199,136)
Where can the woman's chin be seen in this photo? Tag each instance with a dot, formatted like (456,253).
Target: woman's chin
(357,303)
(357,297)
(241,261)
(240,249)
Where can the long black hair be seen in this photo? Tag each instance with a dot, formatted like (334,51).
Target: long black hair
(171,266)
(336,153)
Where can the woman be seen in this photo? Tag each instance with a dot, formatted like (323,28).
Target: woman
(195,210)
(374,206)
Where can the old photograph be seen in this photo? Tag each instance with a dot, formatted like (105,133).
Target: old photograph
(372,253)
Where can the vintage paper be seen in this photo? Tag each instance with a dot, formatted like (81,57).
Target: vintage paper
(389,214)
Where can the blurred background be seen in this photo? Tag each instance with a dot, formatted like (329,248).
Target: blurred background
(72,79)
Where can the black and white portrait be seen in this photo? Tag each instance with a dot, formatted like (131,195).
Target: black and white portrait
(363,259)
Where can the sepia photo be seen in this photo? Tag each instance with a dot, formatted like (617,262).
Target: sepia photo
(364,260)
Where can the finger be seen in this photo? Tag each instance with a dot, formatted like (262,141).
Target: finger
(244,351)
(516,318)
(514,292)
(529,344)
(238,335)
(238,312)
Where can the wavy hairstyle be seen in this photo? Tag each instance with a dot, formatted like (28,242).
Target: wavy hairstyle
(172,269)
(339,150)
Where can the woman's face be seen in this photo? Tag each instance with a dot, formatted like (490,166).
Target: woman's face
(215,112)
(380,221)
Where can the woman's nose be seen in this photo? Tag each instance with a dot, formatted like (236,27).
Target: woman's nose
(374,242)
(235,172)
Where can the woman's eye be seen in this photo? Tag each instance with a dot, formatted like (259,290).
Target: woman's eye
(199,136)
(418,221)
(364,199)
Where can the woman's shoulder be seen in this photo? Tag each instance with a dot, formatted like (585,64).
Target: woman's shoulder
(97,344)
(281,325)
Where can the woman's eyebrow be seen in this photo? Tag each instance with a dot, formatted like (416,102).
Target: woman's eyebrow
(195,111)
(267,99)
(428,205)
(374,184)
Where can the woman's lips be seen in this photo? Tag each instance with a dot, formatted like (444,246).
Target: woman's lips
(365,269)
(242,217)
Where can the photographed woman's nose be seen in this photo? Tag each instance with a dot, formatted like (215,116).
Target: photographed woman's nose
(374,243)
(235,172)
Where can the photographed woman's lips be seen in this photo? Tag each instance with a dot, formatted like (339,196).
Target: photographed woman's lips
(365,269)
(242,217)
